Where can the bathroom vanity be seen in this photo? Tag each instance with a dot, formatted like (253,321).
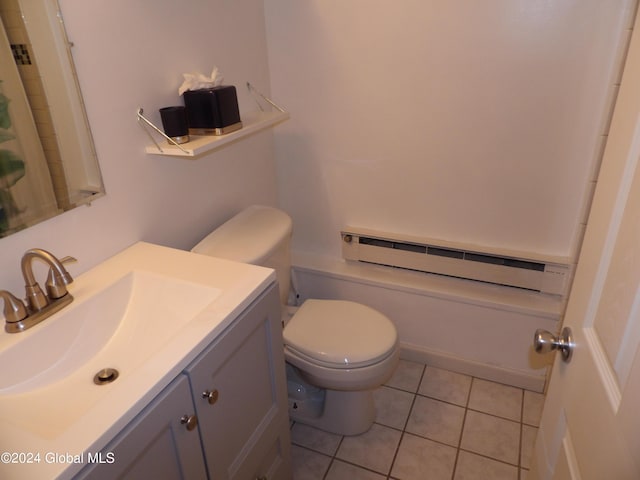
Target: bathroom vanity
(200,390)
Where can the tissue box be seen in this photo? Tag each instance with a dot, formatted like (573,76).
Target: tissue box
(212,111)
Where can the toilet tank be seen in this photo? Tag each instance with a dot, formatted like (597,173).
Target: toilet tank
(258,235)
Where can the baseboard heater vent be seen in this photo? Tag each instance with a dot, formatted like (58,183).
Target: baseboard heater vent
(513,271)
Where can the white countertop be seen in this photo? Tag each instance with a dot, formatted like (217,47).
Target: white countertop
(58,424)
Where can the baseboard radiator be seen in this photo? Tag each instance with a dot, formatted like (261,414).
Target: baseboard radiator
(520,271)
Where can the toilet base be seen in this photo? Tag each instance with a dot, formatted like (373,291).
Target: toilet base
(343,412)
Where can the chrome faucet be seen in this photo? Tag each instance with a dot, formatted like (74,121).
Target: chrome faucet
(39,306)
(56,285)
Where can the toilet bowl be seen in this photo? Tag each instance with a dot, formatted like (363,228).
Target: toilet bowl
(345,348)
(341,345)
(337,351)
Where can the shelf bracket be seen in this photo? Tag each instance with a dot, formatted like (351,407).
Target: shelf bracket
(142,120)
(253,90)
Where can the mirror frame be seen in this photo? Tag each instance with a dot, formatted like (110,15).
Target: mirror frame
(50,50)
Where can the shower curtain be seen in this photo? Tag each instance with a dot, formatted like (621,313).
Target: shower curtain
(26,191)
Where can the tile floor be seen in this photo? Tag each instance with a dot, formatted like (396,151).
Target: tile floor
(431,424)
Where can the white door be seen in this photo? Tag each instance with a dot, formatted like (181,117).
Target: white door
(590,427)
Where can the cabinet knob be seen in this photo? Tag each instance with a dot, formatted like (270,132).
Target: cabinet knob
(211,396)
(191,421)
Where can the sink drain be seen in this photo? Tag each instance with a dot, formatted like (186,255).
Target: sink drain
(106,375)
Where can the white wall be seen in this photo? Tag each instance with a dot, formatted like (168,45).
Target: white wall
(477,122)
(472,122)
(130,55)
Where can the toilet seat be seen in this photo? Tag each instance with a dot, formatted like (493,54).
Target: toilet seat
(340,334)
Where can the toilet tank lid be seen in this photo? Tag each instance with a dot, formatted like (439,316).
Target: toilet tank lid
(250,237)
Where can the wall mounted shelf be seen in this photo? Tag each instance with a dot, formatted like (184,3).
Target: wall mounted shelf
(252,122)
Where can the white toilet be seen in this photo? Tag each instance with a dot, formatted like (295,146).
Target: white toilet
(337,351)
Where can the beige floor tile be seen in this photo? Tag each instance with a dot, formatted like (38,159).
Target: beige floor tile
(374,449)
(419,458)
(407,376)
(436,420)
(314,439)
(491,436)
(445,385)
(345,471)
(308,465)
(496,399)
(474,467)
(528,440)
(429,405)
(392,406)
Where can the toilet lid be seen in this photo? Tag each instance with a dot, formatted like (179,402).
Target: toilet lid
(340,334)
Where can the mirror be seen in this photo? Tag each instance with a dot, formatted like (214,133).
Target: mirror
(48,163)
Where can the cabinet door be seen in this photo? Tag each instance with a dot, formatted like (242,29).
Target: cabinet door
(239,389)
(156,444)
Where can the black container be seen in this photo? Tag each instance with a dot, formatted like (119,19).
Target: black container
(174,123)
(212,111)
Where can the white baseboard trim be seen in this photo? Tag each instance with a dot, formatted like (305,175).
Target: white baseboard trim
(527,381)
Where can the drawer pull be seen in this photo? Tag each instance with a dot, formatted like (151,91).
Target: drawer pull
(191,421)
(211,396)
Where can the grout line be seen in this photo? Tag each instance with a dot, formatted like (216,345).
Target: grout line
(488,457)
(333,458)
(406,422)
(464,421)
(521,434)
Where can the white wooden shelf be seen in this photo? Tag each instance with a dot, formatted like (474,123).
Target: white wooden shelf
(252,122)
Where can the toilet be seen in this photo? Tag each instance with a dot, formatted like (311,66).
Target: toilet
(336,351)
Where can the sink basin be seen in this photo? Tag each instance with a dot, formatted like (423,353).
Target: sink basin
(122,324)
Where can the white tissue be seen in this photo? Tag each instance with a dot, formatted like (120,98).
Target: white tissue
(196,81)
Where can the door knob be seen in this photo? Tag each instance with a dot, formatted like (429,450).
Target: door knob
(545,342)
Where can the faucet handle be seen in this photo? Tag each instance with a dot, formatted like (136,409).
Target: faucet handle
(14,309)
(56,284)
